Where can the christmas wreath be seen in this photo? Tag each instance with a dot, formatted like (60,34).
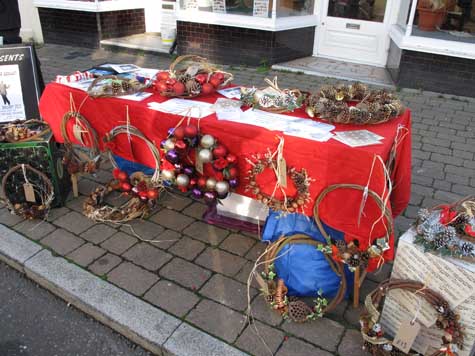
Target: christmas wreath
(27,192)
(198,163)
(373,334)
(23,131)
(354,104)
(448,229)
(80,161)
(111,85)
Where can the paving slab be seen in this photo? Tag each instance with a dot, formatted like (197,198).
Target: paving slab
(174,201)
(132,278)
(98,233)
(74,222)
(34,229)
(15,249)
(147,256)
(221,261)
(352,344)
(295,347)
(86,254)
(195,210)
(8,219)
(119,243)
(185,273)
(171,219)
(261,310)
(143,228)
(166,239)
(260,339)
(187,248)
(104,264)
(209,234)
(62,241)
(237,244)
(128,315)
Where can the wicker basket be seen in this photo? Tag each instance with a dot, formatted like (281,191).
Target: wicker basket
(102,88)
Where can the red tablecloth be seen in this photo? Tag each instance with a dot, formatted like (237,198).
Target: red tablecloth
(327,163)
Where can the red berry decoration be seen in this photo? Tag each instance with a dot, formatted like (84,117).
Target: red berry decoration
(179,88)
(207,89)
(160,86)
(126,186)
(152,194)
(220,151)
(115,173)
(231,158)
(191,131)
(122,176)
(201,78)
(163,76)
(215,82)
(202,182)
(179,133)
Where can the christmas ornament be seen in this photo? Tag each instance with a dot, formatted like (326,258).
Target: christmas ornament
(205,155)
(169,145)
(207,141)
(182,180)
(211,184)
(167,174)
(222,187)
(197,193)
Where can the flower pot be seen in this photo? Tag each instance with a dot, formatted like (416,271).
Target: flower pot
(429,19)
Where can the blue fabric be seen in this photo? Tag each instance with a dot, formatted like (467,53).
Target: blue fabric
(130,167)
(303,268)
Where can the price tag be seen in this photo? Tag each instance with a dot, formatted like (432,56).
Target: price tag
(282,170)
(406,335)
(29,192)
(198,163)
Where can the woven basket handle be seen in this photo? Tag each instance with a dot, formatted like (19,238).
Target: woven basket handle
(44,177)
(92,133)
(187,57)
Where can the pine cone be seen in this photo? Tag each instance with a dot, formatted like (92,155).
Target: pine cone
(116,86)
(126,85)
(467,249)
(184,78)
(341,245)
(192,87)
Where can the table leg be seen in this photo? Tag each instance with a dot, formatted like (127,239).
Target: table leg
(74,181)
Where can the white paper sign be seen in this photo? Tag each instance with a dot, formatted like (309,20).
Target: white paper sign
(176,106)
(11,97)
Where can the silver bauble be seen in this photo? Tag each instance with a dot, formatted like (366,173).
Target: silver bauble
(169,145)
(168,174)
(205,155)
(207,141)
(182,180)
(222,187)
(210,183)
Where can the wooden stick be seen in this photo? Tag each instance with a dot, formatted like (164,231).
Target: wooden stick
(74,181)
(356,288)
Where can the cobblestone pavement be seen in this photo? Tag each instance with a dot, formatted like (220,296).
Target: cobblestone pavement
(196,271)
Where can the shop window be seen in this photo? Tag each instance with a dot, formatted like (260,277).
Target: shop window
(294,7)
(368,10)
(261,8)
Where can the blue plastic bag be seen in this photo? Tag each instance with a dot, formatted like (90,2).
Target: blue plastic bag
(130,167)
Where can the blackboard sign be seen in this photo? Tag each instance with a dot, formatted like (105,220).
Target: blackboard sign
(19,85)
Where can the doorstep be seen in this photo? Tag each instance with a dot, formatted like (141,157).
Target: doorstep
(147,42)
(324,67)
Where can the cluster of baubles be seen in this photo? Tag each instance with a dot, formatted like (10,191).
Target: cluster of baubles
(135,186)
(179,147)
(171,84)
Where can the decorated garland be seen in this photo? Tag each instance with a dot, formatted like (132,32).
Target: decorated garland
(111,85)
(197,78)
(23,131)
(275,292)
(27,192)
(448,229)
(372,332)
(191,174)
(335,104)
(272,98)
(299,178)
(75,160)
(350,253)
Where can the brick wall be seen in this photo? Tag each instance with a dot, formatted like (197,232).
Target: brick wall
(234,45)
(81,28)
(439,73)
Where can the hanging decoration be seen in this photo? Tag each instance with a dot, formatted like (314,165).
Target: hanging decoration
(27,192)
(272,98)
(23,131)
(448,229)
(190,76)
(350,253)
(373,334)
(110,85)
(299,178)
(275,291)
(354,104)
(199,163)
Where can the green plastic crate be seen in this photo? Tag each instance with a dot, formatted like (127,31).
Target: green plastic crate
(45,155)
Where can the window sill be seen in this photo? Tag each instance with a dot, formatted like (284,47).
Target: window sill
(89,6)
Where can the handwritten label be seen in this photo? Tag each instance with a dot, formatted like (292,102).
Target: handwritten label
(282,171)
(77,132)
(406,335)
(29,192)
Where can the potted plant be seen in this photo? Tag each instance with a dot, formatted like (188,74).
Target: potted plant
(431,14)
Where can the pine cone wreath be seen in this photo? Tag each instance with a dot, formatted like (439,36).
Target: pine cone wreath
(116,87)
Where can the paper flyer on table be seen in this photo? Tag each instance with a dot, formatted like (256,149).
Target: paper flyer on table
(11,95)
(81,85)
(136,97)
(231,93)
(358,138)
(176,106)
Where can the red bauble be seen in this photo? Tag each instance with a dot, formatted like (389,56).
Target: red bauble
(215,82)
(143,195)
(219,151)
(115,173)
(231,158)
(122,176)
(207,88)
(218,75)
(191,131)
(152,194)
(180,146)
(163,76)
(179,133)
(171,82)
(193,182)
(201,78)
(202,182)
(179,88)
(125,186)
(160,86)
(232,172)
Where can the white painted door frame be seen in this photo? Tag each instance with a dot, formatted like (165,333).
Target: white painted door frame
(390,14)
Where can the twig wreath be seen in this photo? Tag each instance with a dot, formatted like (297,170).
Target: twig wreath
(448,229)
(27,192)
(372,332)
(299,178)
(350,253)
(332,103)
(111,85)
(23,131)
(75,160)
(189,174)
(275,291)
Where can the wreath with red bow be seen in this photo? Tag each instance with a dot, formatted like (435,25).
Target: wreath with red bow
(198,163)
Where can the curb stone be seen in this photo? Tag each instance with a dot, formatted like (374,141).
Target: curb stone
(147,326)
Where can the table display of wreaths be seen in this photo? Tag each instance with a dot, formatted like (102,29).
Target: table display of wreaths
(27,192)
(190,76)
(275,291)
(110,86)
(373,334)
(23,131)
(351,253)
(287,204)
(272,98)
(77,160)
(199,163)
(354,104)
(448,230)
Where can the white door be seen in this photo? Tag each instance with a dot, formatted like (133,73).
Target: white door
(353,30)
